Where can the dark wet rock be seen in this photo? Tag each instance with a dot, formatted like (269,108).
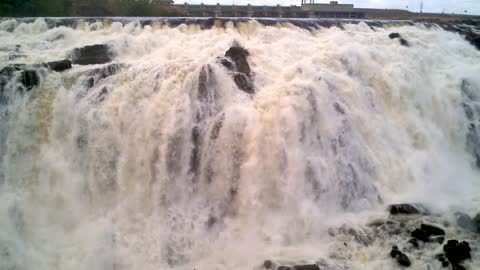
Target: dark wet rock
(441,257)
(474,39)
(226,63)
(239,67)
(414,242)
(244,83)
(458,267)
(60,65)
(476,223)
(395,252)
(404,42)
(97,74)
(239,57)
(93,54)
(268,264)
(29,78)
(403,260)
(394,35)
(439,240)
(421,235)
(456,252)
(306,267)
(406,209)
(445,264)
(432,230)
(283,267)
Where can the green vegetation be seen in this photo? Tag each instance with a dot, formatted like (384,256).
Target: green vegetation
(25,8)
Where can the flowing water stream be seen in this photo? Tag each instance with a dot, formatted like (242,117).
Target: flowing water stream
(159,161)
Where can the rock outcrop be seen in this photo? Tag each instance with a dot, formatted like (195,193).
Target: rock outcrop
(236,62)
(60,65)
(403,41)
(92,54)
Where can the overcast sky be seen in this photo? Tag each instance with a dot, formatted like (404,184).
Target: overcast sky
(447,6)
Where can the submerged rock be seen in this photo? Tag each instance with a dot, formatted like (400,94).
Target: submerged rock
(29,78)
(394,35)
(93,54)
(432,230)
(404,260)
(60,65)
(456,252)
(403,41)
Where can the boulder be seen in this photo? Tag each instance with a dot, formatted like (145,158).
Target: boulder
(404,42)
(394,35)
(60,65)
(414,242)
(432,230)
(239,57)
(93,54)
(404,260)
(268,264)
(406,209)
(395,252)
(421,235)
(456,252)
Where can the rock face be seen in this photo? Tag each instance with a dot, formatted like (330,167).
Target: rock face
(456,252)
(236,62)
(60,65)
(93,54)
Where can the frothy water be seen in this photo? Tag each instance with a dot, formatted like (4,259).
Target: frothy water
(159,161)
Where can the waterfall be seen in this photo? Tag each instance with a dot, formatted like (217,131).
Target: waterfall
(159,160)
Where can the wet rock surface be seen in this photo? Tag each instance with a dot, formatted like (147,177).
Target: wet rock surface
(27,76)
(407,209)
(456,251)
(60,65)
(471,106)
(403,41)
(236,61)
(93,54)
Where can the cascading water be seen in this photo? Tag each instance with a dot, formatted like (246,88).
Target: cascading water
(158,160)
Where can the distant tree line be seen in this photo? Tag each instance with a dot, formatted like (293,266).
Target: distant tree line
(27,8)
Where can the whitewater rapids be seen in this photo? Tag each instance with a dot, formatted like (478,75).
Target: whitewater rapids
(343,122)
